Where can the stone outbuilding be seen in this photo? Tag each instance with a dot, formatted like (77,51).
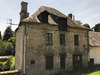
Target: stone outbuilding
(49,42)
(94,41)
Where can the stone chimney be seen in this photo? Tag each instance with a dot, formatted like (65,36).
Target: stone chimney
(70,15)
(23,14)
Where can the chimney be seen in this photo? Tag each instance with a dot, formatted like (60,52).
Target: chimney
(70,15)
(23,14)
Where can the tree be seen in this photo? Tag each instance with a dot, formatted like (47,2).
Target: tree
(79,22)
(97,27)
(0,34)
(86,25)
(5,48)
(7,34)
(12,40)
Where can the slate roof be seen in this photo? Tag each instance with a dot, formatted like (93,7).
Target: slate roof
(94,38)
(52,12)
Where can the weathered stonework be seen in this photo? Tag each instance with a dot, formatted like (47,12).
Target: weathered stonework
(36,48)
(32,50)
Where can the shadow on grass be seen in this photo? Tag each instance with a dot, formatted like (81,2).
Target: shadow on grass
(83,71)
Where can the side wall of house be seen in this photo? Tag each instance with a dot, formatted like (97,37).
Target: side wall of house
(83,40)
(95,54)
(19,48)
(37,50)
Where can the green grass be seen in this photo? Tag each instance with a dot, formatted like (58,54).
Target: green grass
(95,73)
(83,71)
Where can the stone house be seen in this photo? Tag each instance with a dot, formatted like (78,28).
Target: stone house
(49,41)
(94,41)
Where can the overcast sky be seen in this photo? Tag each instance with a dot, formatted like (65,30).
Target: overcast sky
(88,11)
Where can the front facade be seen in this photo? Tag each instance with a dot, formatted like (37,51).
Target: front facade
(46,45)
(94,38)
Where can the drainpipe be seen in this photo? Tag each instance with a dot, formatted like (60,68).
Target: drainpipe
(24,50)
(88,46)
(25,33)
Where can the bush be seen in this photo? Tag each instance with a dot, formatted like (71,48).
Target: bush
(5,48)
(8,65)
(1,65)
(12,67)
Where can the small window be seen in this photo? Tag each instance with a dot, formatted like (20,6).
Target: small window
(76,40)
(49,62)
(62,39)
(33,62)
(62,24)
(49,38)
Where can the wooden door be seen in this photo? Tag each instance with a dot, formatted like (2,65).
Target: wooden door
(77,61)
(62,61)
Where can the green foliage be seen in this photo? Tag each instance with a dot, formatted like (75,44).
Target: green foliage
(8,65)
(5,48)
(12,40)
(0,34)
(7,34)
(12,67)
(95,73)
(1,65)
(97,27)
(79,22)
(86,25)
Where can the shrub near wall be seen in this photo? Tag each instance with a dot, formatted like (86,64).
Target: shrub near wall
(8,65)
(4,66)
(1,64)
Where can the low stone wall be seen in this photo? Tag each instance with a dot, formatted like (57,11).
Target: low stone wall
(3,58)
(13,72)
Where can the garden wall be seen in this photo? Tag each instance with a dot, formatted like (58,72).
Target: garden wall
(13,72)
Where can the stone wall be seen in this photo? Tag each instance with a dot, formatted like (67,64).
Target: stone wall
(19,48)
(13,72)
(37,49)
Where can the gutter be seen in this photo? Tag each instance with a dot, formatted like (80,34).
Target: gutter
(24,50)
(25,34)
(88,46)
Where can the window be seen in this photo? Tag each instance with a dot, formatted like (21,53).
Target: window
(62,39)
(33,62)
(49,38)
(49,62)
(76,40)
(43,17)
(62,61)
(62,24)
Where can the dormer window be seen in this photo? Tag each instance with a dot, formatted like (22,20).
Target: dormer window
(43,17)
(62,24)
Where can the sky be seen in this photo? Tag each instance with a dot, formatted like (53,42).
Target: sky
(87,11)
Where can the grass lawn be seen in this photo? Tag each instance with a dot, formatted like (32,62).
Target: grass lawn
(95,73)
(83,71)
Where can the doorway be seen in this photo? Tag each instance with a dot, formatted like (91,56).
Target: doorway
(77,61)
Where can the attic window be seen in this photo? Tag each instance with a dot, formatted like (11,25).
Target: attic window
(62,24)
(43,17)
